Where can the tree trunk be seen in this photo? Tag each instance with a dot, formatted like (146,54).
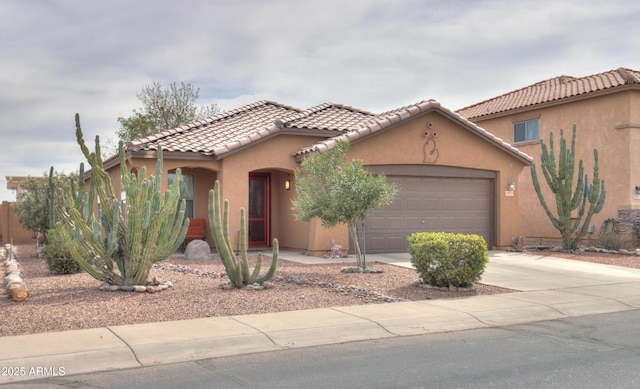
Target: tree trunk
(353,232)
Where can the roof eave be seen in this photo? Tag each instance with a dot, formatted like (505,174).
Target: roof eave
(411,113)
(553,103)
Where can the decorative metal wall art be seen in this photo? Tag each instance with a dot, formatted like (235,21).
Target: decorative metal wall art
(429,149)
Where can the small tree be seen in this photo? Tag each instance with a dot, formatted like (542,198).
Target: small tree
(559,176)
(338,192)
(119,242)
(33,204)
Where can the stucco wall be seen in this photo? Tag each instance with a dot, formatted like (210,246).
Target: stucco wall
(457,147)
(610,123)
(272,156)
(10,227)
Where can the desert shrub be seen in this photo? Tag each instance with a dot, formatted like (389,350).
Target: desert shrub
(58,256)
(447,259)
(610,237)
(615,241)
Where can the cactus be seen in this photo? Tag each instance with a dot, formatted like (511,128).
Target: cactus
(238,271)
(51,200)
(560,180)
(119,242)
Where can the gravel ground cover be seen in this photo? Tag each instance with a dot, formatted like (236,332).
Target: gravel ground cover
(71,302)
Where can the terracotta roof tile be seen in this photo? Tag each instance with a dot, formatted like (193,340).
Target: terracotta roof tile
(220,133)
(394,117)
(328,116)
(550,90)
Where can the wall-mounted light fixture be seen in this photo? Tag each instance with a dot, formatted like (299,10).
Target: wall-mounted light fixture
(287,182)
(511,185)
(637,192)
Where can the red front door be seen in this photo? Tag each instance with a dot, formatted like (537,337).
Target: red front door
(259,209)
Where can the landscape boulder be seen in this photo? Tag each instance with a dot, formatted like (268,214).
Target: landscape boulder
(198,250)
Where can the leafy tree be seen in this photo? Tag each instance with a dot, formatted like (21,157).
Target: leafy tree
(339,192)
(32,204)
(163,109)
(559,177)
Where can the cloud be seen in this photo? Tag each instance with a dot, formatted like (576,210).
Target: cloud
(69,56)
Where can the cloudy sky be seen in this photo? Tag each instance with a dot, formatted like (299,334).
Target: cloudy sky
(92,57)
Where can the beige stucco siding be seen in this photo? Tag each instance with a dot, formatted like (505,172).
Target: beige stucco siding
(607,123)
(272,156)
(457,147)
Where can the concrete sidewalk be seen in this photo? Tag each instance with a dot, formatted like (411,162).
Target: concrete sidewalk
(550,288)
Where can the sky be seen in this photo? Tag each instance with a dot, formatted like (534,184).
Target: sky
(62,57)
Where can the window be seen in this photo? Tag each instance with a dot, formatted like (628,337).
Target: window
(186,191)
(524,131)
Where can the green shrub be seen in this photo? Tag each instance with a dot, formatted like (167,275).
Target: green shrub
(58,257)
(446,259)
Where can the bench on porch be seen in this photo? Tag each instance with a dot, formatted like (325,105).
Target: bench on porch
(195,231)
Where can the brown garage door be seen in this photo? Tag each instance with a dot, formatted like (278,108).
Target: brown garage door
(461,205)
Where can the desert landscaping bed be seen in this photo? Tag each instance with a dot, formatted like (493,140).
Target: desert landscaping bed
(70,302)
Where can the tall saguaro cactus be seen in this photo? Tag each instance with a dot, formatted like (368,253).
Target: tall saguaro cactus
(120,240)
(559,176)
(237,271)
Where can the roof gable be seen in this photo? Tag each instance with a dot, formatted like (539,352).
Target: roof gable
(398,116)
(558,88)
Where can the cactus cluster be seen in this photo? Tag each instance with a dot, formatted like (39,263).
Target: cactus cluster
(559,177)
(115,241)
(237,270)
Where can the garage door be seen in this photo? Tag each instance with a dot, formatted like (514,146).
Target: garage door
(461,205)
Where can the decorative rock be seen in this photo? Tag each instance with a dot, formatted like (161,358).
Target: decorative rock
(460,288)
(162,286)
(169,284)
(114,288)
(12,266)
(198,250)
(13,282)
(18,292)
(151,289)
(139,288)
(105,286)
(12,278)
(268,285)
(126,288)
(157,281)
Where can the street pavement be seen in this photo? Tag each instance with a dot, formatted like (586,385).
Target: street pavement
(548,288)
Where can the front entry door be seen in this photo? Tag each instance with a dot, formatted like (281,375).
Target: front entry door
(259,209)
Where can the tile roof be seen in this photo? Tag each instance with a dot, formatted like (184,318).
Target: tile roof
(234,129)
(392,118)
(329,116)
(221,133)
(552,90)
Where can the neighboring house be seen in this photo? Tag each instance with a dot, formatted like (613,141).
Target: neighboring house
(452,175)
(605,108)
